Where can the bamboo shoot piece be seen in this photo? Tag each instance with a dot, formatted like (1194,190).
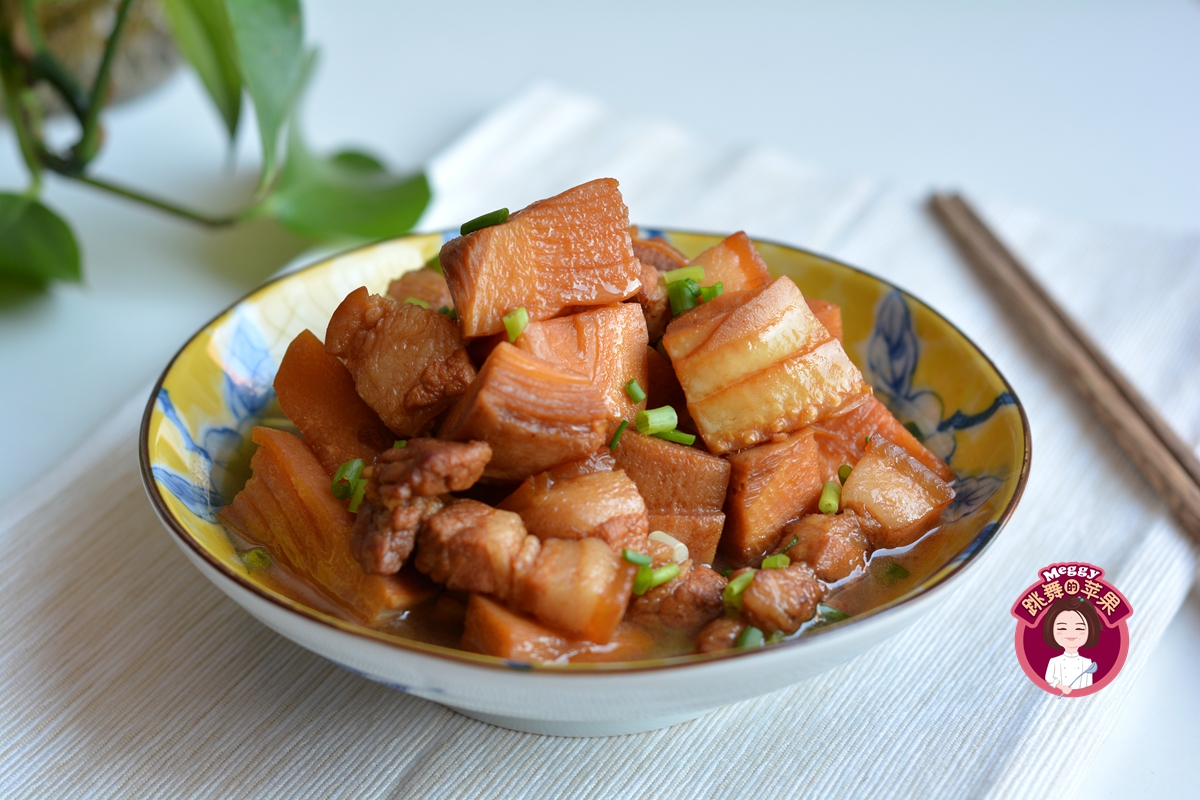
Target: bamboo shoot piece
(494,630)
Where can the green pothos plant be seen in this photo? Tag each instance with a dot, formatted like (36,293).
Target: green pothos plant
(245,52)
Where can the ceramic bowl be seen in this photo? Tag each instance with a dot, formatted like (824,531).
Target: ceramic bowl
(195,438)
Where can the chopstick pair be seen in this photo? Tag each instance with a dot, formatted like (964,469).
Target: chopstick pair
(1166,461)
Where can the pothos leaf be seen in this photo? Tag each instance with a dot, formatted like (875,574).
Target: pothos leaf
(203,32)
(270,48)
(36,245)
(346,195)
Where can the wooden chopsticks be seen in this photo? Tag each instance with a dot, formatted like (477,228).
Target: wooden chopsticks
(1166,461)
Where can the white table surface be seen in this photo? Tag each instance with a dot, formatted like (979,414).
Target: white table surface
(1089,110)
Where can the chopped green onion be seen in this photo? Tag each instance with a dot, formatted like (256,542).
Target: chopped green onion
(484,221)
(344,479)
(915,430)
(515,322)
(890,572)
(844,472)
(867,440)
(831,614)
(711,292)
(634,557)
(831,497)
(678,437)
(775,638)
(657,420)
(416,301)
(725,573)
(612,445)
(695,272)
(683,295)
(435,264)
(648,578)
(396,445)
(360,487)
(447,311)
(777,561)
(662,350)
(749,637)
(635,391)
(731,595)
(255,558)
(795,541)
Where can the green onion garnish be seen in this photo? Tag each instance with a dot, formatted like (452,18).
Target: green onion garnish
(416,301)
(447,311)
(695,272)
(657,420)
(647,578)
(683,295)
(710,292)
(731,595)
(634,557)
(484,221)
(515,322)
(867,440)
(725,573)
(345,477)
(795,541)
(831,497)
(435,264)
(775,638)
(360,487)
(612,445)
(831,614)
(777,561)
(915,430)
(635,391)
(749,637)
(844,472)
(679,437)
(255,558)
(396,445)
(891,572)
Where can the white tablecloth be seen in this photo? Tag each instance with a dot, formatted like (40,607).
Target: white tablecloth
(122,672)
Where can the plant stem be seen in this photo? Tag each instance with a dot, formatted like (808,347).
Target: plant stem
(158,203)
(9,74)
(85,150)
(45,66)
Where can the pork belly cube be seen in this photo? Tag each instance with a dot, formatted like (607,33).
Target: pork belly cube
(720,634)
(683,487)
(577,585)
(769,485)
(603,504)
(657,253)
(758,363)
(834,545)
(470,546)
(570,250)
(654,302)
(287,506)
(606,345)
(685,603)
(317,393)
(842,439)
(829,314)
(408,363)
(781,600)
(735,263)
(422,284)
(898,496)
(494,630)
(532,413)
(664,389)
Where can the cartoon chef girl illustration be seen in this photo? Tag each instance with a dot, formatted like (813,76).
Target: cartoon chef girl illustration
(1070,624)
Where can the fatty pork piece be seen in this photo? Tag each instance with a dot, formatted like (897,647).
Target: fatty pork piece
(572,249)
(686,603)
(317,393)
(532,413)
(405,487)
(471,547)
(603,504)
(780,600)
(842,439)
(834,545)
(829,314)
(720,634)
(657,253)
(606,345)
(770,484)
(735,263)
(409,363)
(422,284)
(654,302)
(896,497)
(683,488)
(758,363)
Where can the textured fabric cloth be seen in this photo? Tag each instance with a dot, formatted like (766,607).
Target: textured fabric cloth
(123,672)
